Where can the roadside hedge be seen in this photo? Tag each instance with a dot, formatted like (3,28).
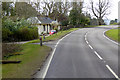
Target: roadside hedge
(19,30)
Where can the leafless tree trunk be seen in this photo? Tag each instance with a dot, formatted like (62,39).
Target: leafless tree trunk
(100,10)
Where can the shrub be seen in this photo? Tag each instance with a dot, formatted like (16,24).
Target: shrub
(6,34)
(10,49)
(18,31)
(65,22)
(9,24)
(26,33)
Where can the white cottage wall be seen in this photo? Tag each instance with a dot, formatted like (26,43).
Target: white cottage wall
(58,27)
(39,30)
(48,28)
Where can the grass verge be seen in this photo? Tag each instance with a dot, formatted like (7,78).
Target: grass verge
(55,36)
(90,26)
(32,57)
(113,34)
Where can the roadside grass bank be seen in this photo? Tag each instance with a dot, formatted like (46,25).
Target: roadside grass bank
(90,26)
(32,57)
(55,36)
(113,34)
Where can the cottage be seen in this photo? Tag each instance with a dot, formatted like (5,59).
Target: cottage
(44,24)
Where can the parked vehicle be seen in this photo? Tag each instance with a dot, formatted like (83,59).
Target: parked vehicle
(52,32)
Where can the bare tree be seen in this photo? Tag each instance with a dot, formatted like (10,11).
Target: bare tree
(100,9)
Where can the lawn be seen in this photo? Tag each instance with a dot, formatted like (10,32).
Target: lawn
(113,34)
(32,58)
(55,36)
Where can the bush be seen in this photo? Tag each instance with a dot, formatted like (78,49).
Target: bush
(65,22)
(9,24)
(26,33)
(6,34)
(66,27)
(18,31)
(10,49)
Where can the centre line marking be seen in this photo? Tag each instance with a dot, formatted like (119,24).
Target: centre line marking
(85,39)
(87,42)
(90,46)
(112,72)
(98,55)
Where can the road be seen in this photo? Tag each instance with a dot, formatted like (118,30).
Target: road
(84,53)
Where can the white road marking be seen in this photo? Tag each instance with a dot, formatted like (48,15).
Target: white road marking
(48,64)
(55,46)
(112,72)
(108,38)
(86,35)
(98,55)
(101,57)
(85,39)
(45,72)
(87,42)
(90,46)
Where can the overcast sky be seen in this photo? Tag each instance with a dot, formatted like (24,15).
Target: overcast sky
(113,9)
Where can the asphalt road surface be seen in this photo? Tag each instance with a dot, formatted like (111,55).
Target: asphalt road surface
(84,53)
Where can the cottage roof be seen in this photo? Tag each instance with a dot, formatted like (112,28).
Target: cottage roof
(45,20)
(42,20)
(34,20)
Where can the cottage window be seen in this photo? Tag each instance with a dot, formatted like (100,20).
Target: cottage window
(50,27)
(44,27)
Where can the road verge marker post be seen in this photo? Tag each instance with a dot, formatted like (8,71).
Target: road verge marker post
(40,41)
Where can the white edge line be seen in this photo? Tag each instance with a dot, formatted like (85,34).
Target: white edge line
(45,72)
(109,38)
(98,55)
(112,72)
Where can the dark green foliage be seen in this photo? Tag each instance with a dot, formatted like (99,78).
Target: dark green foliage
(78,19)
(18,31)
(114,22)
(6,34)
(26,33)
(18,10)
(65,22)
(6,7)
(73,16)
(25,10)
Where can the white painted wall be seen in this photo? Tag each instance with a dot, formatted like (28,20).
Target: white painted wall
(58,27)
(39,32)
(45,29)
(41,29)
(48,28)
